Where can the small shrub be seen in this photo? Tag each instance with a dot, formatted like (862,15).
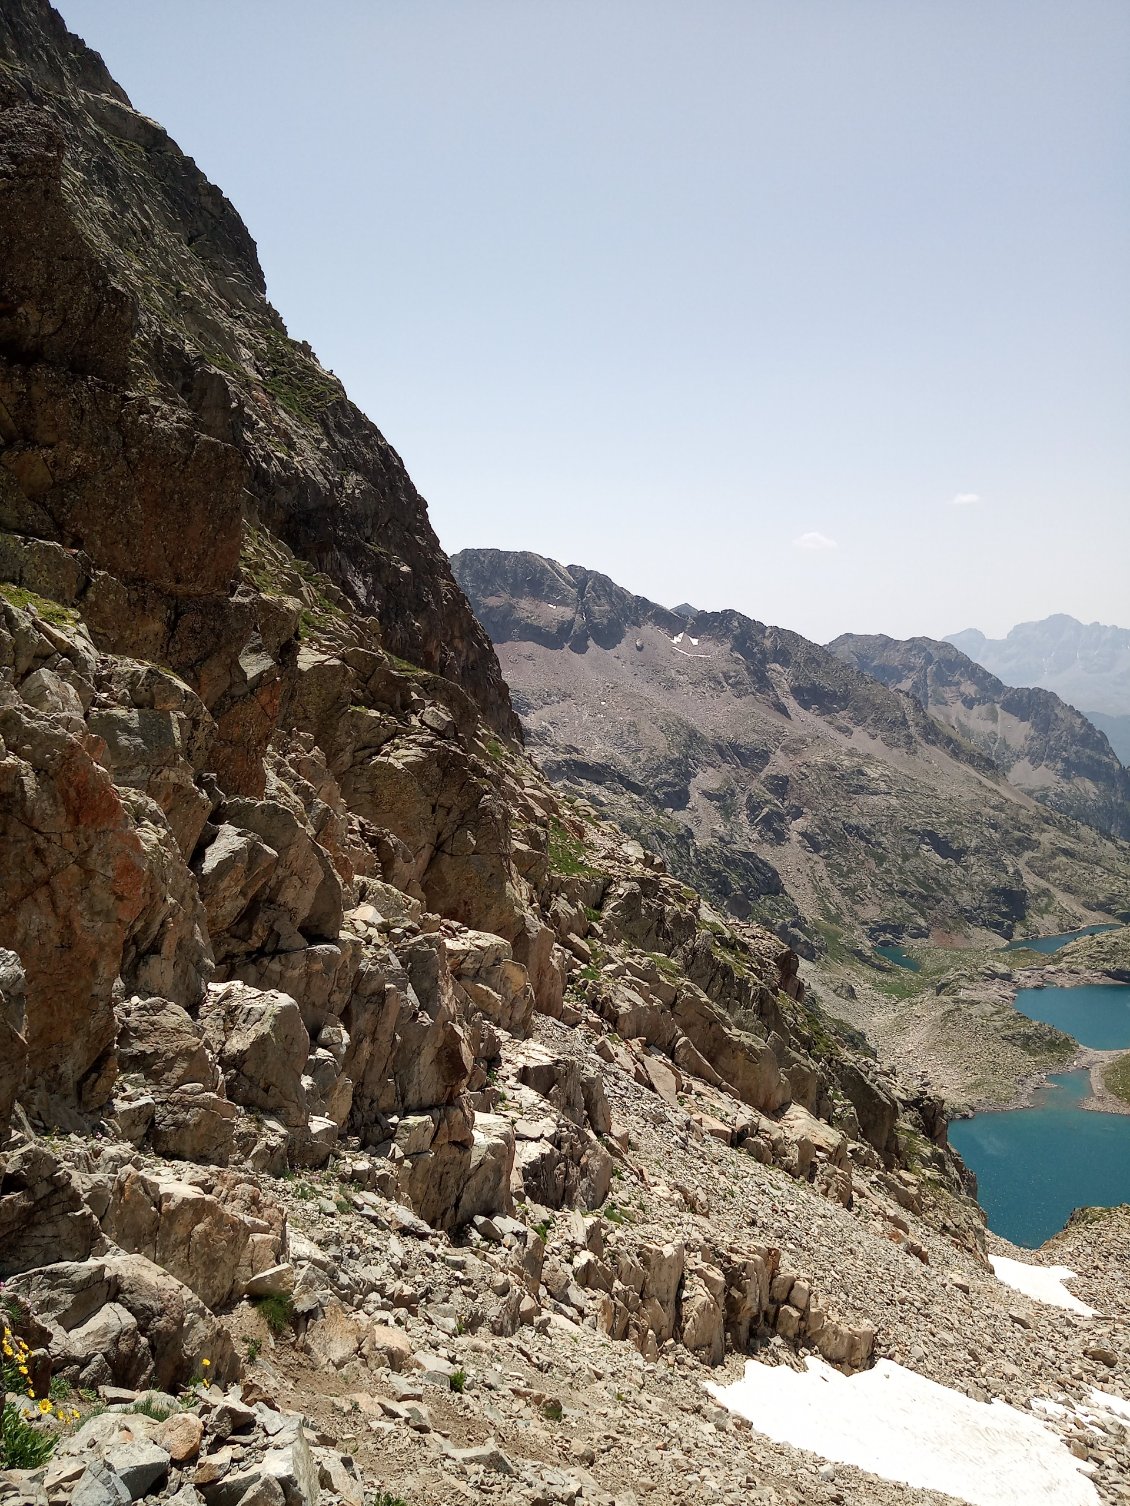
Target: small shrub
(457,1380)
(277,1311)
(385,1498)
(254,1350)
(552,1410)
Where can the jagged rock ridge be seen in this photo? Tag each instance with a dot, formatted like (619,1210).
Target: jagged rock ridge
(1039,742)
(771,772)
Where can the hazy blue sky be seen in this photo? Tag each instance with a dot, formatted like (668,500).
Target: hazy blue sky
(730,300)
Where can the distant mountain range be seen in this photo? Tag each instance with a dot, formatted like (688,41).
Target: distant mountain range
(1040,743)
(1087,664)
(781,778)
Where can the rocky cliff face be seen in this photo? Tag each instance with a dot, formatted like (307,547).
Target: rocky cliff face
(155,402)
(773,773)
(1041,744)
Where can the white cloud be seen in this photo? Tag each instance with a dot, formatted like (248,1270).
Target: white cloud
(965,499)
(815,540)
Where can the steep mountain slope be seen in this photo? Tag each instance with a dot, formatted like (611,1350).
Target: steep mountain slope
(305,967)
(1042,745)
(125,266)
(770,771)
(1088,664)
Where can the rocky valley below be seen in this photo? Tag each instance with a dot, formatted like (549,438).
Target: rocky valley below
(390,1117)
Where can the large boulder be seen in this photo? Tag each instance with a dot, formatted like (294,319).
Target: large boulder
(484,967)
(162,1043)
(121,1320)
(261,1044)
(43,1216)
(215,1241)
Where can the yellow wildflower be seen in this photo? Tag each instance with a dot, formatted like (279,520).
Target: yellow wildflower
(206,1363)
(45,1406)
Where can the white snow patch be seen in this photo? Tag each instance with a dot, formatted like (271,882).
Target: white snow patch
(901,1426)
(1108,1403)
(1050,1408)
(679,639)
(694,642)
(1044,1283)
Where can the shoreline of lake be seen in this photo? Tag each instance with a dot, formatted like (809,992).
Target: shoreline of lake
(1100,1100)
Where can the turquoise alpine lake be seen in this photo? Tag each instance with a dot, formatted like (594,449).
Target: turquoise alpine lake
(1053,943)
(1095,1014)
(896,955)
(1035,1165)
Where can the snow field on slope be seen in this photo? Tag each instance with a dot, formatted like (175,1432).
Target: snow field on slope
(903,1427)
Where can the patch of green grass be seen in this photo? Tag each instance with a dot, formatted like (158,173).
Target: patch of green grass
(457,1380)
(1117,1078)
(22,1444)
(254,1350)
(277,1311)
(566,854)
(665,964)
(552,1410)
(146,1406)
(496,749)
(405,666)
(50,611)
(615,1214)
(385,1498)
(296,382)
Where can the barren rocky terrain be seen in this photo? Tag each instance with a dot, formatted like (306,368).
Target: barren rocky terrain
(781,779)
(379,1125)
